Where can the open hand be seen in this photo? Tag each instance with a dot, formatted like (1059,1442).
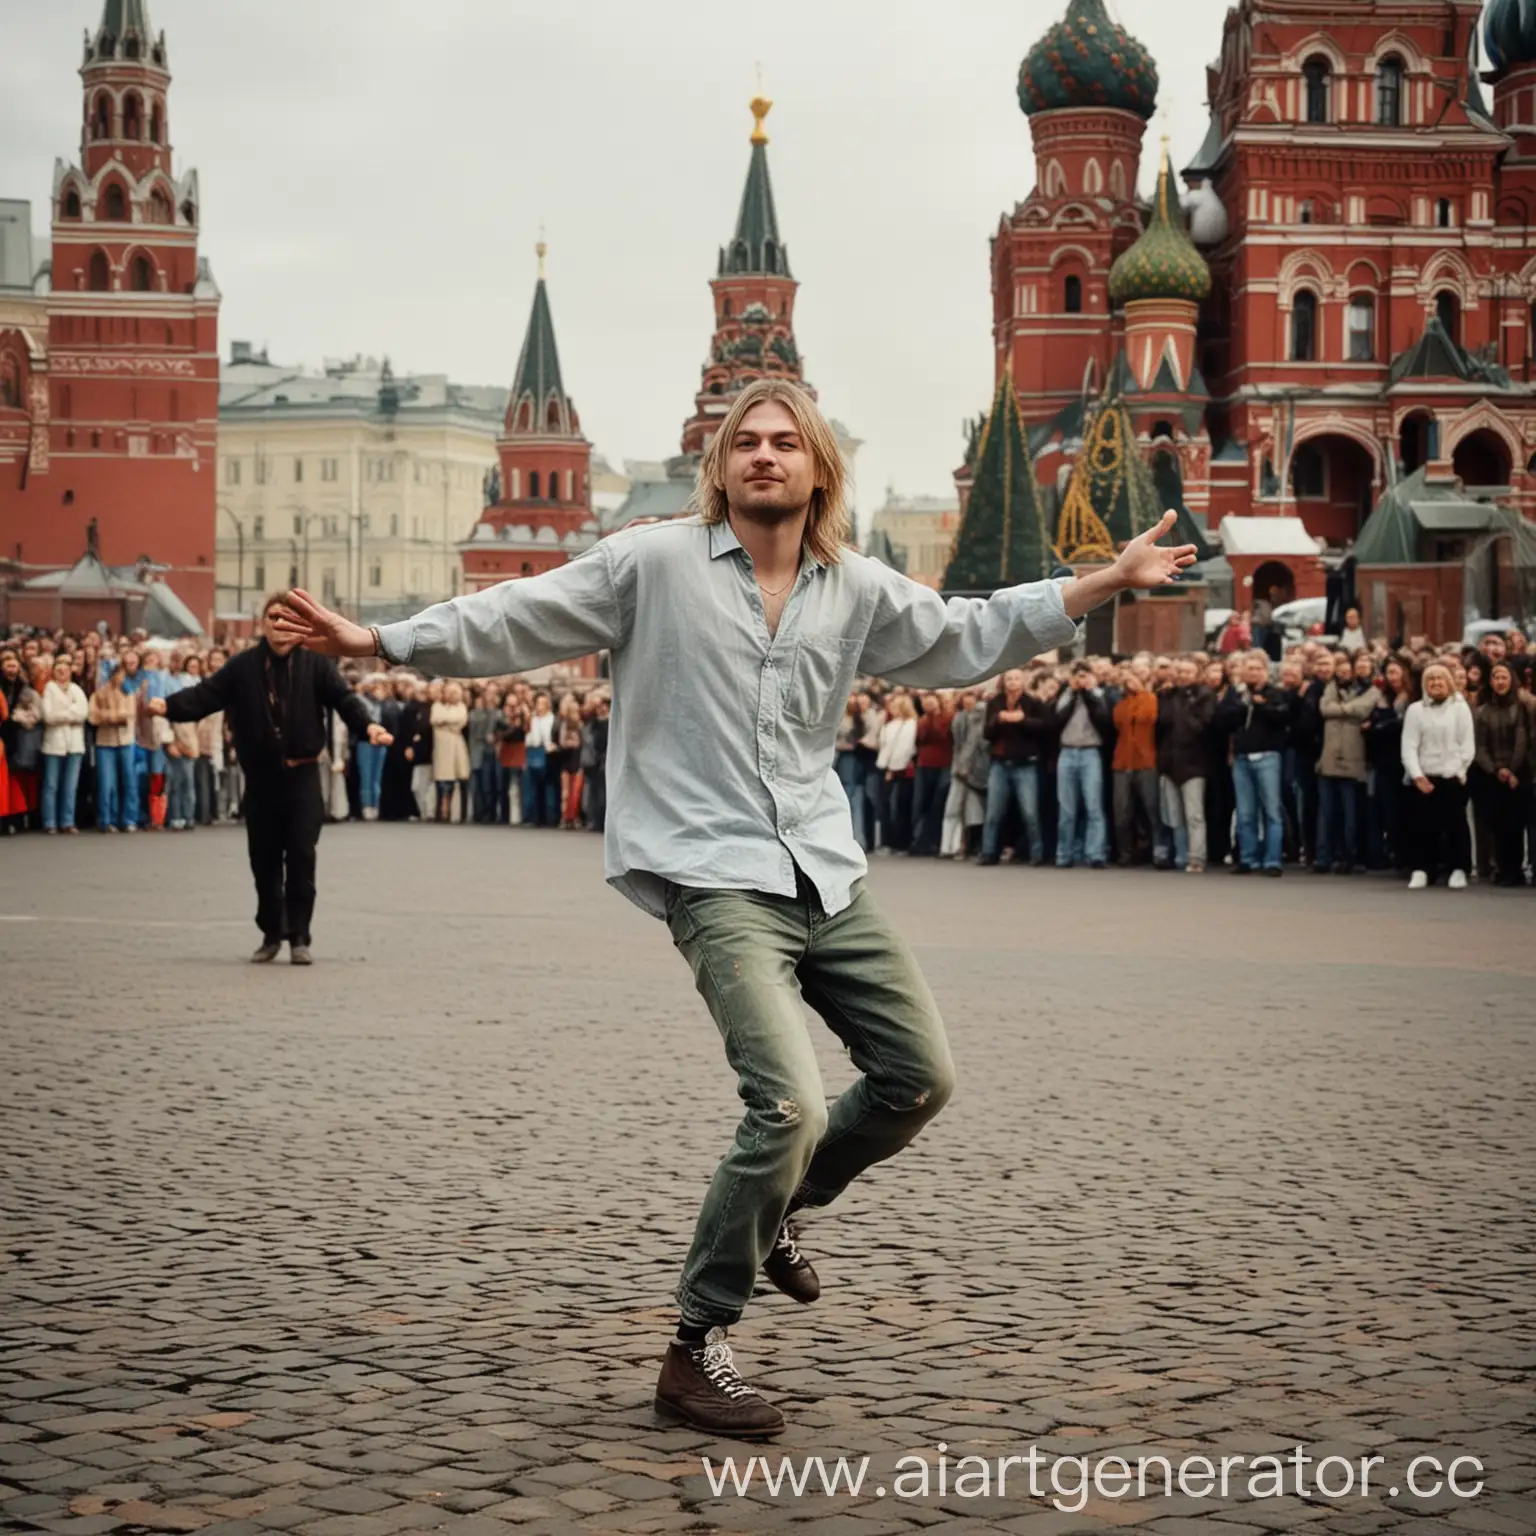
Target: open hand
(379,737)
(156,706)
(1145,563)
(316,628)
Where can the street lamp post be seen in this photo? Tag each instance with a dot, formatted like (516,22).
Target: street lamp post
(239,558)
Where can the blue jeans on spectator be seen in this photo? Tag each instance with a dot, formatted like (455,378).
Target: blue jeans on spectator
(114,783)
(488,790)
(1338,806)
(61,781)
(370,774)
(181,791)
(850,774)
(930,790)
(1079,788)
(536,789)
(1019,782)
(1256,787)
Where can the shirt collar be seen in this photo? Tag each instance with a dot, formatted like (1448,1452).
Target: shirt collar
(722,540)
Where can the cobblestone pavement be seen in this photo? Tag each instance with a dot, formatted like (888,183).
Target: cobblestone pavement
(389,1244)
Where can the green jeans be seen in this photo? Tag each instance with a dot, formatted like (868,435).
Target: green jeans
(754,957)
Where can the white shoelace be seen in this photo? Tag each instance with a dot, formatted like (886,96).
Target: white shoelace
(720,1369)
(785,1243)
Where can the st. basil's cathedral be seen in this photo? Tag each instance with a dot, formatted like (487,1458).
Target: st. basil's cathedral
(1323,348)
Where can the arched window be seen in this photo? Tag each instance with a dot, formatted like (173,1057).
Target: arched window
(10,382)
(1307,475)
(1443,213)
(1305,211)
(141,275)
(160,208)
(552,415)
(131,45)
(1448,312)
(99,274)
(156,125)
(72,204)
(533,484)
(101,118)
(115,205)
(1074,295)
(1117,181)
(725,308)
(1389,92)
(1304,327)
(1362,329)
(133,117)
(1162,429)
(1319,78)
(525,417)
(1093,179)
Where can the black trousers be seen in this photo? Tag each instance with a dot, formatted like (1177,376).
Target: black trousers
(284,815)
(1438,822)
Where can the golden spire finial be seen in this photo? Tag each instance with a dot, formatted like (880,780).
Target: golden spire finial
(761,107)
(540,248)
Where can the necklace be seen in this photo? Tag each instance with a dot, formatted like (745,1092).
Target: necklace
(781,591)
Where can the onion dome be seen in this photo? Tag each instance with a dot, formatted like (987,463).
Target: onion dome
(1164,263)
(1087,60)
(1509,28)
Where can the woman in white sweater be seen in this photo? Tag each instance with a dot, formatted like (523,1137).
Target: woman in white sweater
(65,708)
(1438,748)
(898,752)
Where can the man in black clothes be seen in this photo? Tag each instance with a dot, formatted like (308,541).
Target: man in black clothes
(275,698)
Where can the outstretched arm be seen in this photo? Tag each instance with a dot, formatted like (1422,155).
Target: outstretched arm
(531,621)
(919,639)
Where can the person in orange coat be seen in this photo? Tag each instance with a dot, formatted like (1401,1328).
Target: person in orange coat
(1137,823)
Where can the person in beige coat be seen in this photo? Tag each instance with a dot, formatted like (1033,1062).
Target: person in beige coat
(1342,768)
(450,750)
(112,712)
(64,710)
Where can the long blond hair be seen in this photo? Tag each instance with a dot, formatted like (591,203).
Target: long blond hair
(827,528)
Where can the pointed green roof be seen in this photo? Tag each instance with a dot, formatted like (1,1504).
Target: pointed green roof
(1111,497)
(1436,355)
(1164,263)
(756,246)
(1001,541)
(122,16)
(538,365)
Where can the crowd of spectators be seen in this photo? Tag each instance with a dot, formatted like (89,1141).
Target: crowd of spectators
(79,747)
(1338,759)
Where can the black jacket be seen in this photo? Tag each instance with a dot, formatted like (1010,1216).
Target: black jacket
(1184,732)
(1017,741)
(1259,722)
(257,689)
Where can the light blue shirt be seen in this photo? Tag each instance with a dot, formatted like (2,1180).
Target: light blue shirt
(720,745)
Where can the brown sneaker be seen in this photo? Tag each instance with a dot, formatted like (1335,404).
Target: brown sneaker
(789,1269)
(701,1387)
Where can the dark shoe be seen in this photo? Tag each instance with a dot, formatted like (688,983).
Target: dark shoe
(1241,869)
(298,954)
(987,860)
(701,1387)
(266,953)
(789,1269)
(1321,869)
(1275,873)
(1100,864)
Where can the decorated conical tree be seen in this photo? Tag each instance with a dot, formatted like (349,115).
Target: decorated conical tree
(1111,497)
(1001,541)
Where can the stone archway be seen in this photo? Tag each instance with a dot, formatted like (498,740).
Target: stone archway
(1333,483)
(1482,459)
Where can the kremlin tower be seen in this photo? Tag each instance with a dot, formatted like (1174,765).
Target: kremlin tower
(539,501)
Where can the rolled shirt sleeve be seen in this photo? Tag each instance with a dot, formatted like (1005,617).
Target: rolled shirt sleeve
(920,640)
(527,622)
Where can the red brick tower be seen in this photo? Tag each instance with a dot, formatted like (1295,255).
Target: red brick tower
(1088,90)
(124,431)
(754,302)
(539,511)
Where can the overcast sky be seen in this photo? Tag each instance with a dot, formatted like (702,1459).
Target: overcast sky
(374,173)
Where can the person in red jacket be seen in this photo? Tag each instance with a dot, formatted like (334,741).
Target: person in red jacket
(1138,826)
(935,753)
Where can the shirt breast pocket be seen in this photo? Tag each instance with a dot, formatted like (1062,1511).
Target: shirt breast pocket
(823,674)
